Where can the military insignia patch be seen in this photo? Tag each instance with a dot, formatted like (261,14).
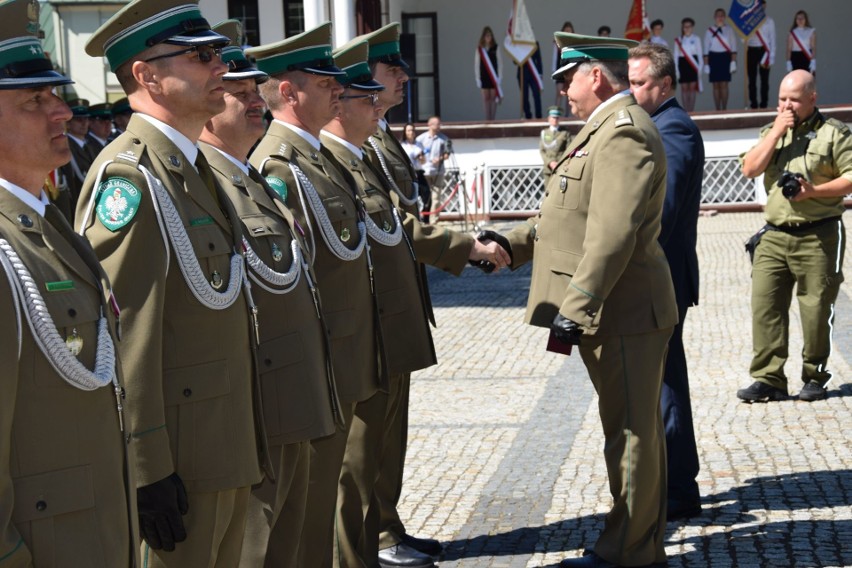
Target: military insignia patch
(279,186)
(118,203)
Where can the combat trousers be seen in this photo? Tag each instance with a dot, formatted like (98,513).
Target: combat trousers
(812,261)
(356,542)
(316,544)
(627,373)
(389,484)
(215,525)
(276,512)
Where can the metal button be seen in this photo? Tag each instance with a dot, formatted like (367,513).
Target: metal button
(211,246)
(237,178)
(175,161)
(187,392)
(72,312)
(25,220)
(267,362)
(314,156)
(41,505)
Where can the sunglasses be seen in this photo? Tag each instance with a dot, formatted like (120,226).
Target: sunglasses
(374,97)
(205,53)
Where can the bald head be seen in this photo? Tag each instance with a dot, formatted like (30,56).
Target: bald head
(797,92)
(800,79)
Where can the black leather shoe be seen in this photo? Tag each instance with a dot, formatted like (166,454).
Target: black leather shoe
(682,509)
(428,546)
(592,560)
(761,392)
(403,555)
(811,392)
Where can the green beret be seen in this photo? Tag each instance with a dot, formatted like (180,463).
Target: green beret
(23,64)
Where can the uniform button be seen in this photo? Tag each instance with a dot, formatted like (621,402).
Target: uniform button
(267,362)
(175,161)
(25,220)
(187,393)
(72,312)
(136,141)
(41,506)
(536,238)
(211,246)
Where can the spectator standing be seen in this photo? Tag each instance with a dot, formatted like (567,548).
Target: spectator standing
(720,57)
(656,33)
(552,142)
(604,31)
(801,44)
(530,82)
(436,147)
(561,99)
(688,57)
(418,158)
(487,65)
(760,56)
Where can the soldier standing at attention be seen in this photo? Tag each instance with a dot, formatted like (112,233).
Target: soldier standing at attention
(171,242)
(552,142)
(601,281)
(64,496)
(299,396)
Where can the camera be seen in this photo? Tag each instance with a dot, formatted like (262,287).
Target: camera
(790,184)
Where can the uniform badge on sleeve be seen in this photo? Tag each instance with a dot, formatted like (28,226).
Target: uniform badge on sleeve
(118,202)
(279,186)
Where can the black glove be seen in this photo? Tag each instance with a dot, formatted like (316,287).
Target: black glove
(565,330)
(161,505)
(489,235)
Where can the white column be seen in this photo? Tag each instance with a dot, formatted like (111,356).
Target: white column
(315,13)
(271,22)
(344,21)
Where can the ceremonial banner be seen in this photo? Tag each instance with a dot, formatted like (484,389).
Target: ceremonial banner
(520,38)
(746,16)
(637,22)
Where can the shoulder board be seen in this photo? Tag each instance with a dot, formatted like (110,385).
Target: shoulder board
(623,118)
(839,125)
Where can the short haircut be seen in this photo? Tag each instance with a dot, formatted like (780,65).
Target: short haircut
(603,29)
(656,23)
(614,71)
(661,60)
(689,21)
(270,92)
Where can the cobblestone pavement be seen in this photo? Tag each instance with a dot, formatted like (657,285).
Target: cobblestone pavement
(505,462)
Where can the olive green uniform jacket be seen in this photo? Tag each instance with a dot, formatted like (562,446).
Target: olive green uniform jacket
(189,369)
(551,146)
(64,498)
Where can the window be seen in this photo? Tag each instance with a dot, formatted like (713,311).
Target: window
(246,12)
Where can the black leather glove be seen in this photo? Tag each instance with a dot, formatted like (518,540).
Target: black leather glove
(161,505)
(565,330)
(489,235)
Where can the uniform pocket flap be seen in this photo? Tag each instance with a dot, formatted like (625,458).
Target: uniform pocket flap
(564,262)
(820,147)
(279,352)
(208,240)
(54,493)
(393,302)
(338,208)
(71,307)
(574,168)
(199,382)
(341,323)
(259,225)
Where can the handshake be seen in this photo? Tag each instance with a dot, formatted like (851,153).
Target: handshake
(491,251)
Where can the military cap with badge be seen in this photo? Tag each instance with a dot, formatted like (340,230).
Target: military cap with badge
(23,63)
(239,67)
(309,51)
(575,49)
(384,46)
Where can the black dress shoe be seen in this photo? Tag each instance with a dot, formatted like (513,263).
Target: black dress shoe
(428,546)
(403,555)
(682,509)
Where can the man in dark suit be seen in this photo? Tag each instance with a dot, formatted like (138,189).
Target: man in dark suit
(529,84)
(652,80)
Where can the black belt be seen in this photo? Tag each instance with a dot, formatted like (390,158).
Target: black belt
(794,228)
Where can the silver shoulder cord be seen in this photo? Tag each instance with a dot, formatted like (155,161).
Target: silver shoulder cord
(384,238)
(47,337)
(314,201)
(262,274)
(402,197)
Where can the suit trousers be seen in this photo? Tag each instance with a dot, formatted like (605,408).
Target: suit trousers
(389,485)
(627,373)
(316,543)
(753,68)
(356,542)
(811,261)
(276,512)
(215,525)
(681,451)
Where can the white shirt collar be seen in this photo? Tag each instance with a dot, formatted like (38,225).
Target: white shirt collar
(36,203)
(553,128)
(103,141)
(309,138)
(184,144)
(383,124)
(243,167)
(607,102)
(352,148)
(80,142)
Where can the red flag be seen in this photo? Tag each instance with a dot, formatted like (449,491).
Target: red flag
(637,23)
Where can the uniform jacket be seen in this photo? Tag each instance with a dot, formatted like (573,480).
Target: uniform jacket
(596,259)
(407,341)
(299,395)
(685,173)
(64,498)
(75,171)
(551,145)
(345,285)
(189,370)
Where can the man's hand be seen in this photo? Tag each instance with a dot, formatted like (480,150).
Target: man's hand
(784,121)
(161,505)
(552,165)
(808,191)
(491,251)
(565,330)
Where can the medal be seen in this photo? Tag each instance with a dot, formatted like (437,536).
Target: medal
(277,255)
(74,343)
(216,280)
(344,234)
(386,227)
(563,184)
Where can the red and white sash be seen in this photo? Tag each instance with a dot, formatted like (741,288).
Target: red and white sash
(804,49)
(483,56)
(765,59)
(720,36)
(691,61)
(535,74)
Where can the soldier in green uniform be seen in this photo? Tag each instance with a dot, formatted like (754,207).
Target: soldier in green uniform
(171,241)
(552,142)
(299,395)
(804,240)
(64,497)
(600,280)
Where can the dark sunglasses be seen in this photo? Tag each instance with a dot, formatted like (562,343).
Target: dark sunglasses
(205,53)
(374,97)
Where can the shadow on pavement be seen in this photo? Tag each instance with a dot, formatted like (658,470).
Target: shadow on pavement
(502,289)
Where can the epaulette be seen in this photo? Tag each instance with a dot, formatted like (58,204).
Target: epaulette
(127,149)
(838,125)
(623,118)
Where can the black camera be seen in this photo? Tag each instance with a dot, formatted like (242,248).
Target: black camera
(790,184)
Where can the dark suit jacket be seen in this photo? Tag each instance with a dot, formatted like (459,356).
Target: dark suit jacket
(685,156)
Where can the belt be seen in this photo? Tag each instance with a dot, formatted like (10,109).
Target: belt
(804,226)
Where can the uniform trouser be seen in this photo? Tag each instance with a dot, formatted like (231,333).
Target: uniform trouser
(681,452)
(627,372)
(436,184)
(316,543)
(356,542)
(389,485)
(753,68)
(215,525)
(276,512)
(812,261)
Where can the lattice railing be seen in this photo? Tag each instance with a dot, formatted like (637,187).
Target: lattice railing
(725,183)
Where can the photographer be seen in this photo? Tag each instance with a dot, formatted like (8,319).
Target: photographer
(806,160)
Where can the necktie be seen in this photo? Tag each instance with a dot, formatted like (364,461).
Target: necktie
(203,167)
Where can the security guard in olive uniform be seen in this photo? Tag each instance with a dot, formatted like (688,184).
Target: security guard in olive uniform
(600,280)
(299,396)
(303,95)
(552,142)
(804,238)
(171,242)
(64,498)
